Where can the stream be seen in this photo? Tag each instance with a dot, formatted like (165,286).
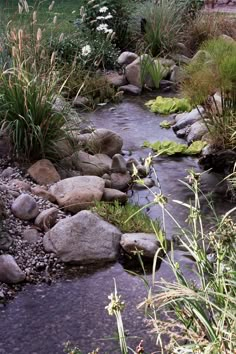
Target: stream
(42,318)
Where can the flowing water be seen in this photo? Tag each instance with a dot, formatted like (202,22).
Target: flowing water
(42,318)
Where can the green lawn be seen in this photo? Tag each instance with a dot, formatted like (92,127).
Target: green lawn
(65,10)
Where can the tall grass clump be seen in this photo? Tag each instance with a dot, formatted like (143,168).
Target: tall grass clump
(211,82)
(163,25)
(200,313)
(27,93)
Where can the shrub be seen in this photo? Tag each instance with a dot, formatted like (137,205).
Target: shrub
(214,69)
(208,26)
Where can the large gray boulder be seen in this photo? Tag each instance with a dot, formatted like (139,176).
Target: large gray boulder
(78,193)
(25,207)
(126,58)
(146,243)
(197,131)
(10,272)
(84,238)
(91,165)
(134,75)
(101,141)
(188,118)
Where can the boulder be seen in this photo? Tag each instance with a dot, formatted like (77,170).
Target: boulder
(10,272)
(31,235)
(7,173)
(78,193)
(112,195)
(91,165)
(188,118)
(120,181)
(47,219)
(116,80)
(101,141)
(80,102)
(126,58)
(132,89)
(181,133)
(196,132)
(133,72)
(177,74)
(147,243)
(118,164)
(43,193)
(84,238)
(43,172)
(25,207)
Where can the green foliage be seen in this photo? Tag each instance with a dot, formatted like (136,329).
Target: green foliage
(173,148)
(204,309)
(164,24)
(153,69)
(27,114)
(118,214)
(214,69)
(168,105)
(165,124)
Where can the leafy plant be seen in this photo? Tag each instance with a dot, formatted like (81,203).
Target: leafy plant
(172,148)
(151,68)
(117,215)
(165,124)
(168,105)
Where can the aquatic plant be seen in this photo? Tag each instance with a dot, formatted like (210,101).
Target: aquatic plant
(167,147)
(168,105)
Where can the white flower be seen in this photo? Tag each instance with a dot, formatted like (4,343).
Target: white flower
(108,16)
(101,18)
(102,27)
(86,50)
(103,9)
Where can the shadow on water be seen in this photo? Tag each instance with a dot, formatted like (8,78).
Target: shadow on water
(41,318)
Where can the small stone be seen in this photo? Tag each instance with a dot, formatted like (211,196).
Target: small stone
(47,219)
(19,185)
(10,272)
(118,164)
(132,89)
(7,173)
(144,183)
(31,236)
(80,102)
(146,243)
(5,241)
(120,181)
(25,207)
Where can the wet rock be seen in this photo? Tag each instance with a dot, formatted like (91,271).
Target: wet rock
(181,133)
(7,173)
(188,118)
(102,141)
(126,58)
(147,243)
(25,207)
(111,195)
(47,219)
(43,172)
(43,193)
(19,185)
(118,164)
(78,193)
(196,132)
(144,183)
(131,163)
(31,235)
(132,89)
(142,171)
(91,165)
(84,238)
(167,85)
(220,161)
(120,181)
(10,272)
(80,102)
(116,80)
